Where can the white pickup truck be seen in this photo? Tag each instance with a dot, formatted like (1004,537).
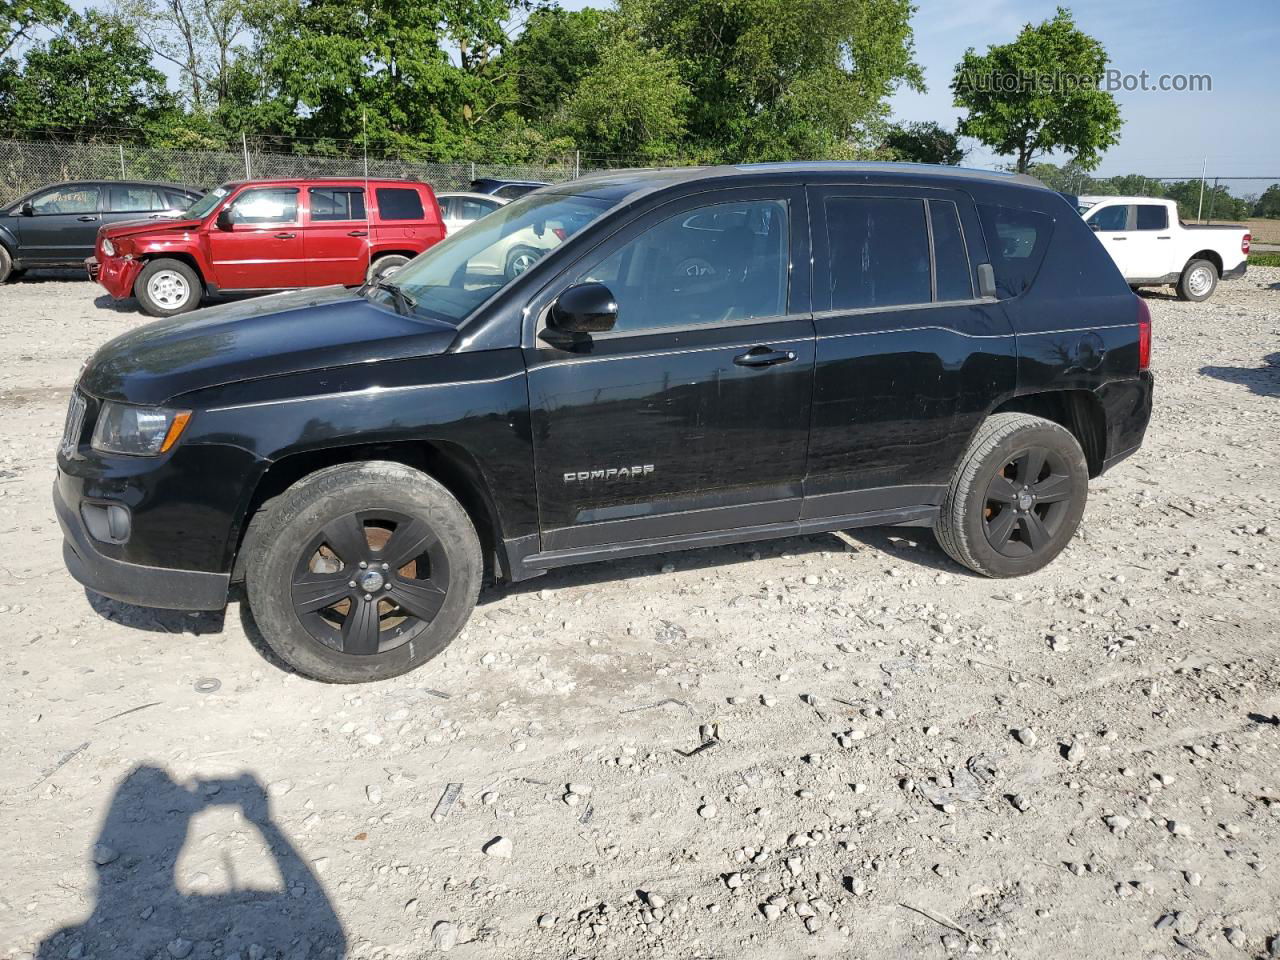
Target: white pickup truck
(1152,247)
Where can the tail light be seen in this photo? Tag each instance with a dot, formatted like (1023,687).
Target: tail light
(1244,244)
(1144,335)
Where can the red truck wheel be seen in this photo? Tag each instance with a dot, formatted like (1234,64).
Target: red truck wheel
(168,287)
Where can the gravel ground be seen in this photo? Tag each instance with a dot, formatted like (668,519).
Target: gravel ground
(907,760)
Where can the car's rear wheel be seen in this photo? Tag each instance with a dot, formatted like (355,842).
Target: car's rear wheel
(1198,281)
(385,265)
(362,572)
(168,287)
(1016,497)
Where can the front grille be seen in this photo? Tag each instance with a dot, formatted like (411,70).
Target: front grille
(75,424)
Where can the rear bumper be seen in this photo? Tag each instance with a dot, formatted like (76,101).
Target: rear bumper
(145,586)
(1126,405)
(116,274)
(1235,273)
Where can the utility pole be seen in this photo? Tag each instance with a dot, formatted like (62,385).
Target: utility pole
(244,143)
(1204,168)
(121,161)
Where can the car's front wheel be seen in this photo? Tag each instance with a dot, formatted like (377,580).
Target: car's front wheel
(362,572)
(168,287)
(1016,497)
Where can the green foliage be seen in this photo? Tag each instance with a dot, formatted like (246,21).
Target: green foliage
(1038,94)
(92,74)
(19,18)
(631,103)
(1218,204)
(781,79)
(1264,259)
(556,49)
(925,142)
(1268,204)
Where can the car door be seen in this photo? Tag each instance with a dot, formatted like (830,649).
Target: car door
(135,201)
(261,246)
(335,236)
(692,414)
(1152,250)
(909,356)
(1114,226)
(63,225)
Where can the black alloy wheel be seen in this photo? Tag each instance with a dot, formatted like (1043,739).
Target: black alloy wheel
(1027,502)
(370,581)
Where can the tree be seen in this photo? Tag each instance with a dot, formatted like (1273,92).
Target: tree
(1268,204)
(18,18)
(556,49)
(781,79)
(631,104)
(926,142)
(197,36)
(1039,94)
(92,74)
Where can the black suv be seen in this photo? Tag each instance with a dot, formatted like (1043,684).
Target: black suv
(57,225)
(696,357)
(507,189)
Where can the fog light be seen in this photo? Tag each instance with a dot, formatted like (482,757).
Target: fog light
(108,522)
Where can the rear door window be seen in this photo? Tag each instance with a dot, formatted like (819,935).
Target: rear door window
(399,203)
(1152,216)
(879,252)
(1016,243)
(124,199)
(336,203)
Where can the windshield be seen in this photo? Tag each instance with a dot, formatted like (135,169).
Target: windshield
(199,209)
(458,274)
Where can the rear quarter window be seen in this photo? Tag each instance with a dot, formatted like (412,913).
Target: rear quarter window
(399,203)
(1017,240)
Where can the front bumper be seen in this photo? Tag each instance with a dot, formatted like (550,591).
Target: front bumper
(145,586)
(116,274)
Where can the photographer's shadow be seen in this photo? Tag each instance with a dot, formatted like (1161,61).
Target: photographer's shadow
(139,911)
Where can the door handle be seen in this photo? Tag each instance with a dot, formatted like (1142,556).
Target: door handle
(86,219)
(285,236)
(1164,238)
(1118,239)
(763,357)
(358,233)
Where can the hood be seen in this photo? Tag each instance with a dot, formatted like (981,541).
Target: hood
(127,228)
(252,339)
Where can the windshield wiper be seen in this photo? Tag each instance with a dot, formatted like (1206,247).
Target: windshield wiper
(404,302)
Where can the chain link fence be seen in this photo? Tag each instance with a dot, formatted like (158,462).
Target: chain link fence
(26,166)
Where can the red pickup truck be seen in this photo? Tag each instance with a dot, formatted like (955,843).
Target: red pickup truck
(263,235)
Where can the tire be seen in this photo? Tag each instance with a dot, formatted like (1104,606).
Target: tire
(166,288)
(384,265)
(295,564)
(1198,281)
(6,265)
(973,526)
(519,260)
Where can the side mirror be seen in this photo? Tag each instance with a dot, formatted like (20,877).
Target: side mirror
(584,309)
(28,210)
(986,281)
(223,222)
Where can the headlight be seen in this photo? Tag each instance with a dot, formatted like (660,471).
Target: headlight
(138,431)
(108,247)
